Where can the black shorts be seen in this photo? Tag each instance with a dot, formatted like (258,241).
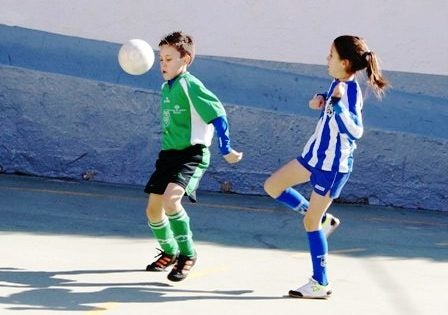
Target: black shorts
(182,167)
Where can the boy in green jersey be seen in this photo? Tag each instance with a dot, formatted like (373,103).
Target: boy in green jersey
(190,115)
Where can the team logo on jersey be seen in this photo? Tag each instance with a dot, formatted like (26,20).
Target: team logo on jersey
(329,109)
(177,109)
(166,117)
(166,100)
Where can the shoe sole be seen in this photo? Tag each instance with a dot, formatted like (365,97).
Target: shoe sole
(173,278)
(156,270)
(297,295)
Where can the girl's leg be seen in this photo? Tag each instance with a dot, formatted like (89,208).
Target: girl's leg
(279,184)
(317,287)
(316,237)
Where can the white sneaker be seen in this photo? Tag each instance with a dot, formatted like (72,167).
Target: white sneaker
(311,290)
(330,224)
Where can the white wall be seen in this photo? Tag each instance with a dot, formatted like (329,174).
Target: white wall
(409,35)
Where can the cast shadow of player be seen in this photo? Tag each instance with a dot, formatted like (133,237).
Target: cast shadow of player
(51,291)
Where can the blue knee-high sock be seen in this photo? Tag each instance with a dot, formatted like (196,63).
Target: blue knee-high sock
(294,200)
(319,251)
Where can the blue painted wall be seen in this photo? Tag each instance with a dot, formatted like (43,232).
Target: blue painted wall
(67,110)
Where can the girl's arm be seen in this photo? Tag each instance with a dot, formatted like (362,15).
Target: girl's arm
(349,121)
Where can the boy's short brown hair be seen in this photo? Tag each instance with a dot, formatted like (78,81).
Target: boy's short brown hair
(182,42)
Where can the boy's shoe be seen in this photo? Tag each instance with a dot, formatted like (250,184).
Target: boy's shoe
(162,262)
(182,268)
(311,290)
(330,224)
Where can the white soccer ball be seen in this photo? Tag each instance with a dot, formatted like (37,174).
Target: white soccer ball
(136,57)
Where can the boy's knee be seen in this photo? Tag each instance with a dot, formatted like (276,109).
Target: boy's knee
(171,203)
(154,213)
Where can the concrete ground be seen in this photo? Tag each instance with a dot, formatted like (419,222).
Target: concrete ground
(81,248)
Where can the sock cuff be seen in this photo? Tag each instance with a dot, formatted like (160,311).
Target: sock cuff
(180,215)
(294,200)
(159,225)
(316,234)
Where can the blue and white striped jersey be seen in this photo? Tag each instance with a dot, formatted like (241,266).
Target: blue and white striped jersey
(331,146)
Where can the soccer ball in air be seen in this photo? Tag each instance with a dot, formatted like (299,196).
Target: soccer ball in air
(136,57)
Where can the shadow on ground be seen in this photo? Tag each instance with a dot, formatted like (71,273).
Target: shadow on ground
(38,205)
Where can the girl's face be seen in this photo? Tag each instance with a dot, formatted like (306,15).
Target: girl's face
(337,67)
(171,63)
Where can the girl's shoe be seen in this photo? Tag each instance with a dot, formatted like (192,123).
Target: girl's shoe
(163,261)
(311,290)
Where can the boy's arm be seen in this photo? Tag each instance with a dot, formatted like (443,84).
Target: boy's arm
(222,130)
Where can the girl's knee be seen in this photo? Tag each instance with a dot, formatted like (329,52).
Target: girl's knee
(270,188)
(311,222)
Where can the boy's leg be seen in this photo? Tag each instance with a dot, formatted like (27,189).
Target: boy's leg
(179,219)
(180,224)
(160,227)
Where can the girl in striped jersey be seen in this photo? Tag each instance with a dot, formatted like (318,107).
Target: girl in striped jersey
(327,158)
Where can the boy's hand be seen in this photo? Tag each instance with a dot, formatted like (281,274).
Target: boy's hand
(233,157)
(317,102)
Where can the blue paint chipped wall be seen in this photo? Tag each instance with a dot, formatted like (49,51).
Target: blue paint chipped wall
(68,111)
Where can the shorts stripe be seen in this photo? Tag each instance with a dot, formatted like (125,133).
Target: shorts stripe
(198,173)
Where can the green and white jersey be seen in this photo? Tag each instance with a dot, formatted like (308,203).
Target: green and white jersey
(188,108)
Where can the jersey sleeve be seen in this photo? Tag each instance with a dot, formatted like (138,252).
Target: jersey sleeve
(222,131)
(205,102)
(348,112)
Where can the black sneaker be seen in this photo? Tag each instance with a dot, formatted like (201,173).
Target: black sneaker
(182,268)
(162,262)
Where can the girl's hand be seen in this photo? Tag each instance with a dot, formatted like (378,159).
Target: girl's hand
(233,157)
(317,102)
(339,90)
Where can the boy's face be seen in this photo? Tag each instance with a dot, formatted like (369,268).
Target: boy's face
(171,64)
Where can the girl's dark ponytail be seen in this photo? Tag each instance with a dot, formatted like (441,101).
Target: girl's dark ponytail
(356,51)
(375,78)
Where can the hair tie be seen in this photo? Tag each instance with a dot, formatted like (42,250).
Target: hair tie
(366,53)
